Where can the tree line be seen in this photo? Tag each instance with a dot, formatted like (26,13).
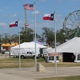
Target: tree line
(47,36)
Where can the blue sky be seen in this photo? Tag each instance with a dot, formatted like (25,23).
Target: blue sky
(12,10)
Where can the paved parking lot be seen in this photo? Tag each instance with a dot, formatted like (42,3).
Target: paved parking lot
(32,74)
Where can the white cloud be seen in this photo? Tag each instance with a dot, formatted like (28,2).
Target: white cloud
(36,12)
(3,24)
(14,15)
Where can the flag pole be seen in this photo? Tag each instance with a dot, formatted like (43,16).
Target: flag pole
(35,35)
(55,44)
(19,45)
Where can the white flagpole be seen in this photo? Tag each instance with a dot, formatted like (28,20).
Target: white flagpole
(55,44)
(35,35)
(19,44)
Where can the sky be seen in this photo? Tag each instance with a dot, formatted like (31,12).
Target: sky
(12,10)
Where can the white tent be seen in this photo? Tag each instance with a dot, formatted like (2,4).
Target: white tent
(26,47)
(71,46)
(29,45)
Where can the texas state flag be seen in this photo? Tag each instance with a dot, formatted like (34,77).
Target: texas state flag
(14,24)
(48,17)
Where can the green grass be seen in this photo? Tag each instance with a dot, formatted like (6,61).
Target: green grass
(14,62)
(62,78)
(30,62)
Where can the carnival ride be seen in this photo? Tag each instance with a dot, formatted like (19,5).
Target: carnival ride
(72,23)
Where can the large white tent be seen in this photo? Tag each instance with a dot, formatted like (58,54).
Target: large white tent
(26,46)
(29,45)
(71,46)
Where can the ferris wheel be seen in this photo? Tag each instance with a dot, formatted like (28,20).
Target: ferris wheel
(72,22)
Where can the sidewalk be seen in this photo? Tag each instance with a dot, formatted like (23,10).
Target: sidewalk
(32,74)
(12,77)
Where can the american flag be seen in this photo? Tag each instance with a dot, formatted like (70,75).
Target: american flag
(28,6)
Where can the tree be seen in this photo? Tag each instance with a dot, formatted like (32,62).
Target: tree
(65,34)
(14,37)
(0,38)
(60,36)
(5,37)
(48,35)
(26,36)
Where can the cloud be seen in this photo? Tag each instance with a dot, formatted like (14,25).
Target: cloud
(3,24)
(14,15)
(36,12)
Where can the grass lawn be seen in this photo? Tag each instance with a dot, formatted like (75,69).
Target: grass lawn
(62,78)
(30,62)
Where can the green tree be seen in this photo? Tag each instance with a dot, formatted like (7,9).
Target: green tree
(65,34)
(5,37)
(48,35)
(60,36)
(14,37)
(26,36)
